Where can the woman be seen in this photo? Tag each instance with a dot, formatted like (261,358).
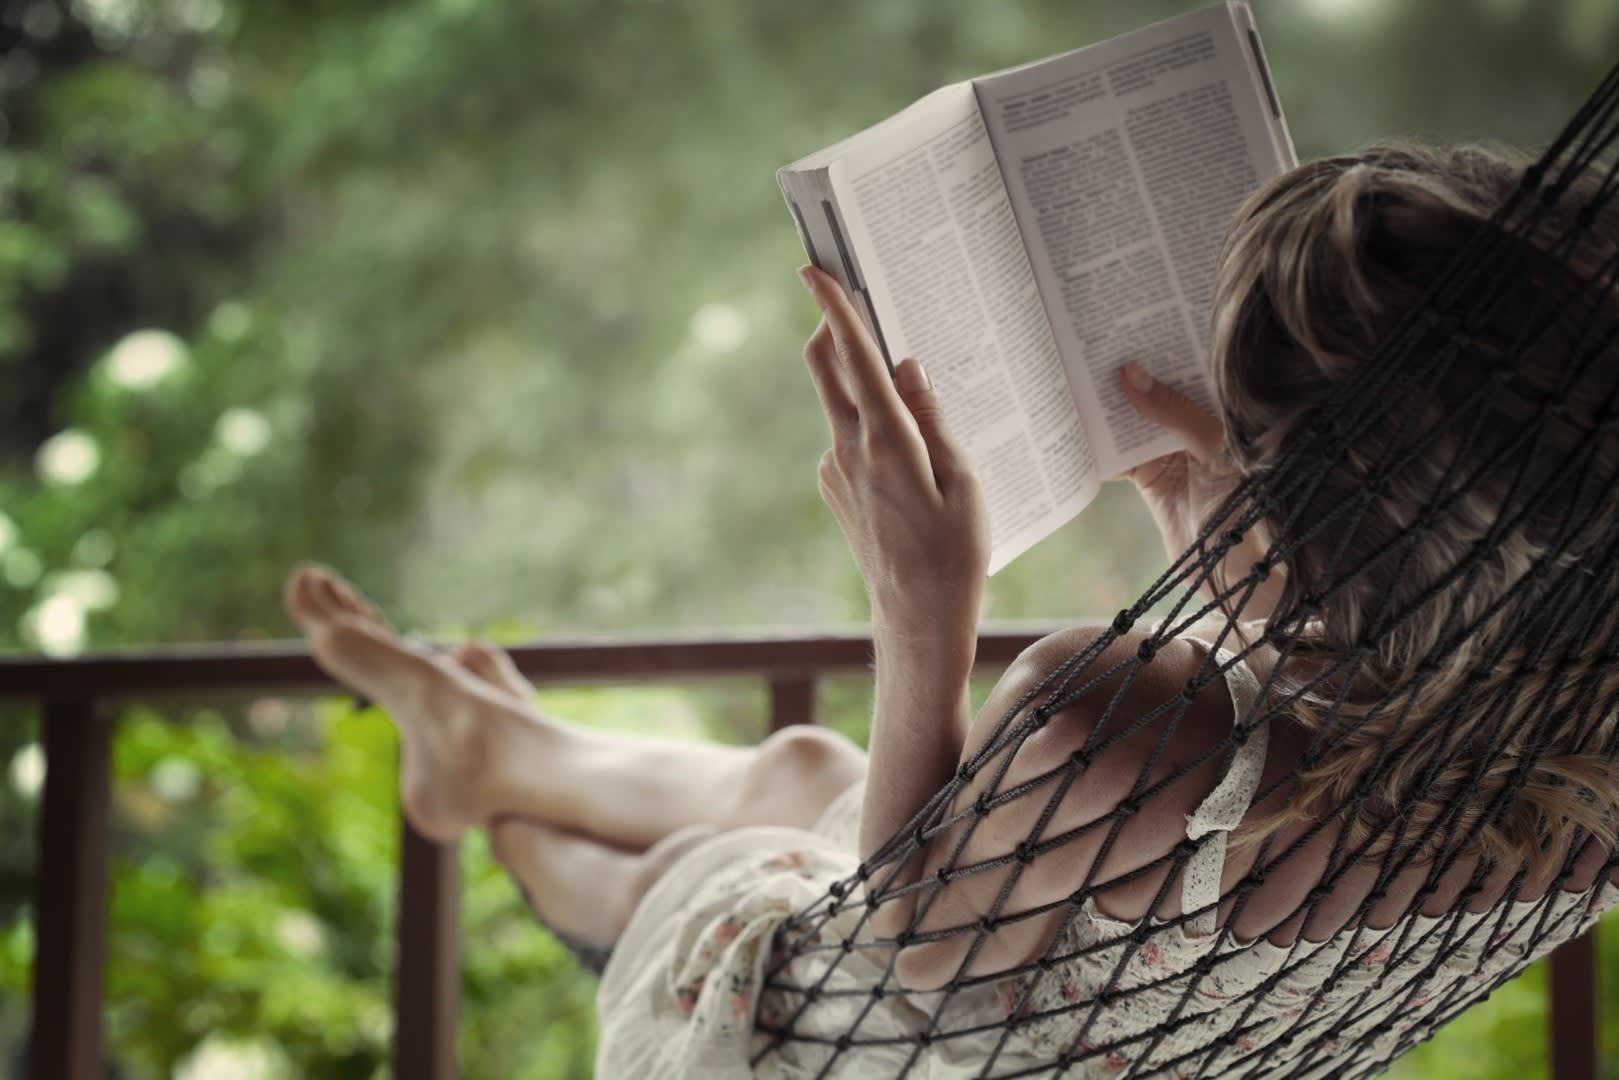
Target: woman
(690,861)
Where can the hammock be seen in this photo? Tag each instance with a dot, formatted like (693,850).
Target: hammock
(1542,683)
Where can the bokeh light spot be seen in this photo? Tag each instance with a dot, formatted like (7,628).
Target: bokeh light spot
(68,458)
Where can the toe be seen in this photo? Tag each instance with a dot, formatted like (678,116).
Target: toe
(303,596)
(351,600)
(493,666)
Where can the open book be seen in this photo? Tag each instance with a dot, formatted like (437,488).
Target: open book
(1025,233)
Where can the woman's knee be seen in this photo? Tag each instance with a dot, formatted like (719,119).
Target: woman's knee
(807,755)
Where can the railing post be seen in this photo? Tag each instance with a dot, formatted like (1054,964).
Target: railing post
(792,701)
(70,894)
(1574,1011)
(427,969)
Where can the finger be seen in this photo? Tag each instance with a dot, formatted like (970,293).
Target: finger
(916,390)
(871,385)
(821,357)
(1172,410)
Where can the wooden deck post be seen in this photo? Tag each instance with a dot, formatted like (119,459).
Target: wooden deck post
(70,894)
(1574,1012)
(427,969)
(792,701)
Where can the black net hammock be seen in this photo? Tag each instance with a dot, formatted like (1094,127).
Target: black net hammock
(1515,694)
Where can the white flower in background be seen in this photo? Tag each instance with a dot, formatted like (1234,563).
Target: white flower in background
(175,780)
(21,568)
(93,590)
(56,624)
(8,533)
(68,457)
(95,548)
(243,431)
(719,328)
(221,1058)
(144,359)
(300,933)
(28,770)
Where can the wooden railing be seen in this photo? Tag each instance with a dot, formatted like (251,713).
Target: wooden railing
(70,890)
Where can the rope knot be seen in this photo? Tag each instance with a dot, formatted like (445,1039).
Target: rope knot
(981,804)
(1146,651)
(943,876)
(1023,854)
(1123,622)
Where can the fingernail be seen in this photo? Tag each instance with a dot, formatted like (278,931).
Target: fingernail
(807,278)
(913,377)
(1137,376)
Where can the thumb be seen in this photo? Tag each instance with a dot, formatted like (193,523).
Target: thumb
(916,390)
(1170,409)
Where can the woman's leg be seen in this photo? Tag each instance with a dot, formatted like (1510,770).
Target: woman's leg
(582,888)
(475,750)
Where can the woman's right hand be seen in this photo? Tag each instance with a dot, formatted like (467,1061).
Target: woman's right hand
(1166,483)
(1169,484)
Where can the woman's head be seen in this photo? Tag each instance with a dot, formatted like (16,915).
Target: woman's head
(1320,266)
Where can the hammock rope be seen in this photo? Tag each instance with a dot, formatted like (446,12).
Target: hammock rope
(1544,685)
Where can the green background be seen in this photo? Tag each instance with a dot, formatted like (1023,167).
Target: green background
(491,304)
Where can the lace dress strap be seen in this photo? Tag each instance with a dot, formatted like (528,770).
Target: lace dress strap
(1225,806)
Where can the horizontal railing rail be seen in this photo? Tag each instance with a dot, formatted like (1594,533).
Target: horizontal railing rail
(70,891)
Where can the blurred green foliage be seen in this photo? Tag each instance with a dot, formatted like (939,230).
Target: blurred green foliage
(491,304)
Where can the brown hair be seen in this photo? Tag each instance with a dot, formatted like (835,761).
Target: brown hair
(1318,266)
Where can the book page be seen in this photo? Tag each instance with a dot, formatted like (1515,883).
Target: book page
(950,283)
(1124,163)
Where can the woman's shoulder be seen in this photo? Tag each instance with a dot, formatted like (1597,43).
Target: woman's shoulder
(1109,687)
(1111,713)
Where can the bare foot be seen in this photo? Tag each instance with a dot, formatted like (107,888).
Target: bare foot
(452,716)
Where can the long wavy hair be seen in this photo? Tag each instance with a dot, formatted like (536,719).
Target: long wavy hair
(1318,265)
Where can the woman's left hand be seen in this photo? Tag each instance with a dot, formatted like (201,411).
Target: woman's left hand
(898,483)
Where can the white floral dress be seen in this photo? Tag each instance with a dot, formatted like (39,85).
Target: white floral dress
(685,993)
